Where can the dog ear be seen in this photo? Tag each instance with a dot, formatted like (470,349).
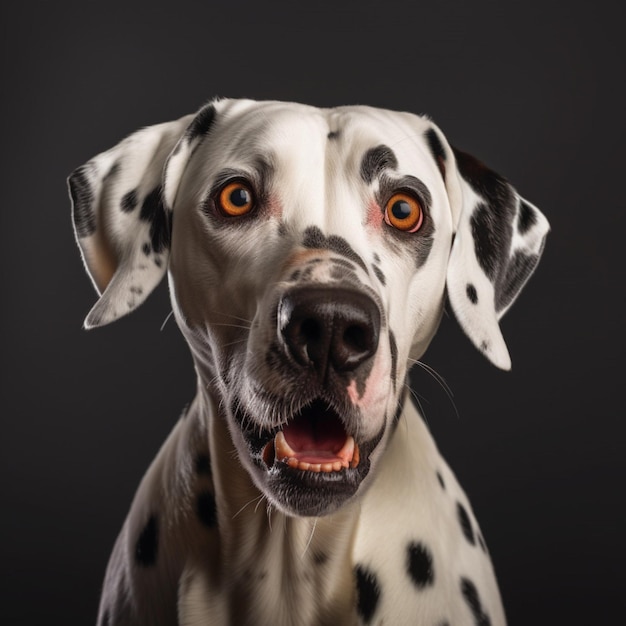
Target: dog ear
(499,238)
(122,203)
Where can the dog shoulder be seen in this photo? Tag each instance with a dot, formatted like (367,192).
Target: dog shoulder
(173,516)
(419,550)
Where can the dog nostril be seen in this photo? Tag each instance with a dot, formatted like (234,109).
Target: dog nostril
(310,330)
(356,338)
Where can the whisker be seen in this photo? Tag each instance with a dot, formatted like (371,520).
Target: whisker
(411,136)
(268,511)
(167,319)
(232,325)
(248,503)
(235,317)
(308,543)
(232,343)
(440,380)
(417,399)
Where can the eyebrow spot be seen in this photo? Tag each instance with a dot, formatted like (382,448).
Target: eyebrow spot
(375,160)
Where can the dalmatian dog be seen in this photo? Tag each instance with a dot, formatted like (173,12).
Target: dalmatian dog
(309,255)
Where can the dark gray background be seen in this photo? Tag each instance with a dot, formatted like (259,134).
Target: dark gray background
(534,89)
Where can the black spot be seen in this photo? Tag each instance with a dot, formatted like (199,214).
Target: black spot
(282,228)
(153,211)
(320,558)
(347,277)
(157,261)
(466,523)
(375,161)
(376,258)
(82,201)
(487,183)
(136,290)
(518,271)
(315,238)
(484,346)
(202,123)
(419,565)
(333,134)
(492,220)
(203,465)
(437,149)
(344,263)
(393,349)
(444,623)
(526,218)
(440,479)
(490,243)
(368,592)
(471,293)
(147,543)
(379,274)
(470,593)
(146,248)
(306,274)
(206,509)
(129,201)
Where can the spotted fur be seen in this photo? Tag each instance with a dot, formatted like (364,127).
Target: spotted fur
(308,309)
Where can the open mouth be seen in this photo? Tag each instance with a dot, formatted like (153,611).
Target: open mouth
(314,440)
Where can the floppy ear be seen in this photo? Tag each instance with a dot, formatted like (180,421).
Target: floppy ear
(498,241)
(122,204)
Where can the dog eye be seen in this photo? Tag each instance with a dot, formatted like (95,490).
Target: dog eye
(404,212)
(235,199)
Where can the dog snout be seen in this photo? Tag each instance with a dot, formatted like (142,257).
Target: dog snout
(328,328)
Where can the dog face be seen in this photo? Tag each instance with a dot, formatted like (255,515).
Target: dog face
(309,251)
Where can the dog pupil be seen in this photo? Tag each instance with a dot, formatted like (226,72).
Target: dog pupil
(401,209)
(239,197)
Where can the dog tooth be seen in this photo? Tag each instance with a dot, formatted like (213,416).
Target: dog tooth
(337,465)
(283,449)
(346,454)
(327,467)
(293,462)
(314,467)
(356,457)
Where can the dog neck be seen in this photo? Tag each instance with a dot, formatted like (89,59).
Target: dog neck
(264,552)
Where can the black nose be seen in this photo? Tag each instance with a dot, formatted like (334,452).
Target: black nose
(329,327)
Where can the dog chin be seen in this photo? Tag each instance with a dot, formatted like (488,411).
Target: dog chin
(302,493)
(310,465)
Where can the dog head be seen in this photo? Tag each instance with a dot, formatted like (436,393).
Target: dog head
(309,252)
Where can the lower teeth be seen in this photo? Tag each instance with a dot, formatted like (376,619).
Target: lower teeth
(279,447)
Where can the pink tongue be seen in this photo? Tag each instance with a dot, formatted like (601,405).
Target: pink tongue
(315,436)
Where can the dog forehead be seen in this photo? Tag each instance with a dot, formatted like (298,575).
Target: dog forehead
(293,132)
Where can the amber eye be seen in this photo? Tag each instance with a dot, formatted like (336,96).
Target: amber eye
(404,212)
(235,199)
